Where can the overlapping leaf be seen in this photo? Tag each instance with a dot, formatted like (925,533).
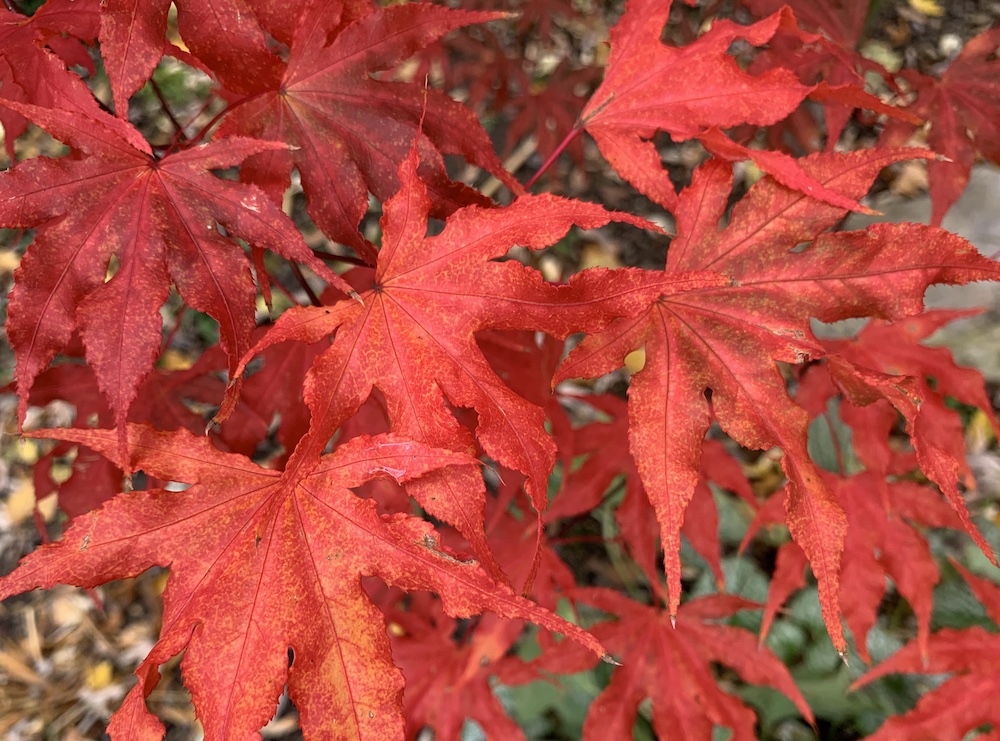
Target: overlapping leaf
(413,339)
(831,57)
(349,131)
(29,73)
(883,540)
(963,111)
(448,681)
(279,546)
(223,34)
(671,665)
(694,91)
(967,700)
(159,220)
(727,338)
(606,447)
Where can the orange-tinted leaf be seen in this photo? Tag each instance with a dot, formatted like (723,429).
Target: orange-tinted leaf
(280,546)
(726,337)
(413,338)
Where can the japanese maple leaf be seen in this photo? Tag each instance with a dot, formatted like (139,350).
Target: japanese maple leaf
(831,57)
(841,21)
(881,542)
(264,562)
(225,35)
(728,337)
(964,702)
(159,219)
(547,109)
(348,131)
(606,447)
(29,73)
(413,339)
(963,109)
(689,92)
(672,665)
(448,681)
(886,370)
(163,400)
(274,390)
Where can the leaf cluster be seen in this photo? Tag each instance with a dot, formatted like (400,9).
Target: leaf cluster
(402,448)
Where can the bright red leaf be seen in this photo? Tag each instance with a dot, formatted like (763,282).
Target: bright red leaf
(964,702)
(448,681)
(225,35)
(963,109)
(413,339)
(726,337)
(883,540)
(279,545)
(160,220)
(691,92)
(830,57)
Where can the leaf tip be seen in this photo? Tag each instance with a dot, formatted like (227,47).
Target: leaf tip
(609,659)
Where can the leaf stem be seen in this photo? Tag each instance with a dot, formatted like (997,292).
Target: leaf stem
(197,138)
(328,257)
(178,127)
(835,441)
(173,332)
(301,278)
(575,132)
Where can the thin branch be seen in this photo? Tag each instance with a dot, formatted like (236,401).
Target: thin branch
(552,157)
(178,127)
(301,278)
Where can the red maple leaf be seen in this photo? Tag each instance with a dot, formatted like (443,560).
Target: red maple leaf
(886,370)
(726,336)
(672,665)
(160,220)
(881,374)
(831,57)
(448,681)
(964,115)
(225,35)
(882,540)
(693,92)
(606,447)
(413,339)
(29,73)
(548,108)
(280,546)
(348,130)
(964,702)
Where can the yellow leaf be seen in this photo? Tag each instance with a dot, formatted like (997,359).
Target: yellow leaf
(100,676)
(930,8)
